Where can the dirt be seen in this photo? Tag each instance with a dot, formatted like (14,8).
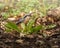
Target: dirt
(9,40)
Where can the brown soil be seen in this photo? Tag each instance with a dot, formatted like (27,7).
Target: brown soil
(8,40)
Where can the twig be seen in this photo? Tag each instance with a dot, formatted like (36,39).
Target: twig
(22,19)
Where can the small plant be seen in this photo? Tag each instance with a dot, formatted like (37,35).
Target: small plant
(28,28)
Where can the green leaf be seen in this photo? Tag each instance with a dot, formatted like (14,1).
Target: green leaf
(8,30)
(36,28)
(50,26)
(12,26)
(30,23)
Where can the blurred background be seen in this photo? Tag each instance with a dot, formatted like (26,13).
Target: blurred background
(12,2)
(17,6)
